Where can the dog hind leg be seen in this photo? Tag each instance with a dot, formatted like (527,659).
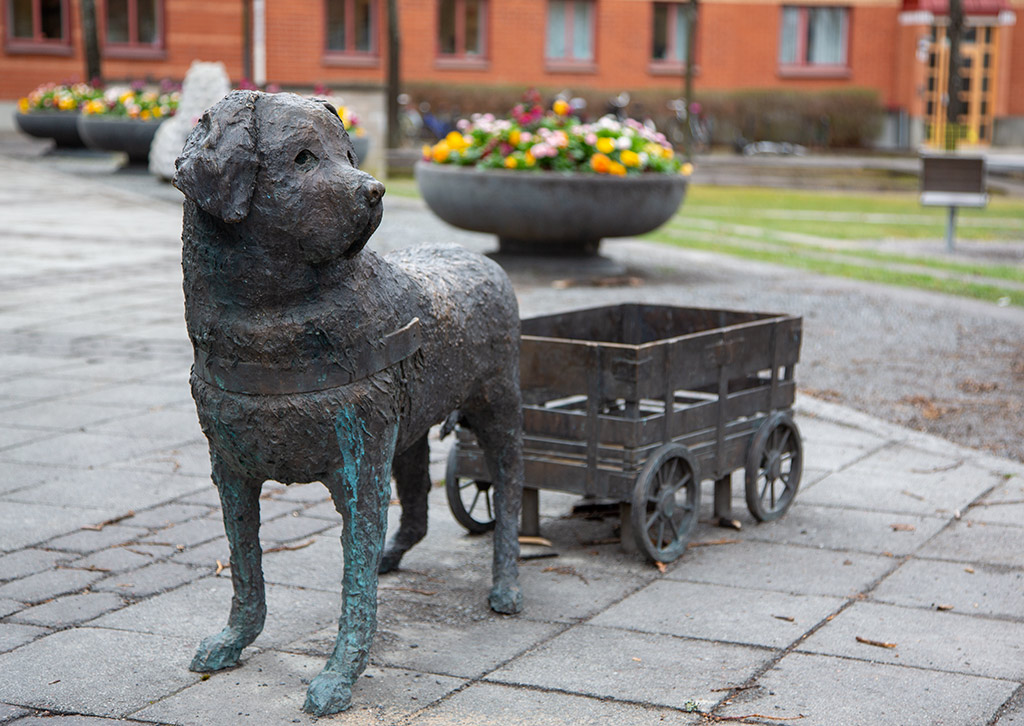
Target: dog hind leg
(240,507)
(412,479)
(361,490)
(496,419)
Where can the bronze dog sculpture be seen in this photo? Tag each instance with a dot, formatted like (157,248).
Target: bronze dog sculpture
(317,360)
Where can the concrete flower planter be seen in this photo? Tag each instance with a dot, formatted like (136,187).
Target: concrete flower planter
(61,126)
(549,212)
(362,146)
(131,136)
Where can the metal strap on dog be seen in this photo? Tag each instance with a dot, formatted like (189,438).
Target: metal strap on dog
(259,379)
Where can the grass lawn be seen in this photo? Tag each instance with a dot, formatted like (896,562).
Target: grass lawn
(854,235)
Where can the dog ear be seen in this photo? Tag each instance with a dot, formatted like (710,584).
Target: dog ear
(218,164)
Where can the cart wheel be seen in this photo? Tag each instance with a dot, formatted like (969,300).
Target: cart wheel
(774,464)
(469,500)
(666,503)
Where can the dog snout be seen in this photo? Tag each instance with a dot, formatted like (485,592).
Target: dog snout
(373,190)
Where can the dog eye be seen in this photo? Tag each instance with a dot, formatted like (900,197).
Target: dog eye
(306,159)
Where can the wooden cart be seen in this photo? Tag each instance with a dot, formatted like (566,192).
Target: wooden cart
(640,403)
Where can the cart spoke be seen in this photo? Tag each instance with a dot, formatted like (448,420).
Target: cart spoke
(785,439)
(652,520)
(675,528)
(661,533)
(487,500)
(681,483)
(476,498)
(469,483)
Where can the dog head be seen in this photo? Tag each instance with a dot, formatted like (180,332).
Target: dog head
(280,169)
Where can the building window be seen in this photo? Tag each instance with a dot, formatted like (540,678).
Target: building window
(131,26)
(671,32)
(37,24)
(570,31)
(350,27)
(461,28)
(813,37)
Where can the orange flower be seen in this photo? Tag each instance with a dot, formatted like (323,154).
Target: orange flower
(510,163)
(617,169)
(600,163)
(561,108)
(441,152)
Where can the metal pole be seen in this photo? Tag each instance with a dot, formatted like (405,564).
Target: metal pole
(394,82)
(950,227)
(91,43)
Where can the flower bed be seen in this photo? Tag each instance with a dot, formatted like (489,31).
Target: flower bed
(135,103)
(535,140)
(51,112)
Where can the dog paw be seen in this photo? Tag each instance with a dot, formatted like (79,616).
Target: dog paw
(506,600)
(328,693)
(218,651)
(389,560)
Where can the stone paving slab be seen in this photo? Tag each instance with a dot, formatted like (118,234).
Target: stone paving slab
(930,639)
(107,488)
(628,666)
(272,687)
(782,567)
(966,541)
(69,610)
(978,589)
(200,608)
(715,612)
(9,713)
(120,672)
(840,692)
(486,704)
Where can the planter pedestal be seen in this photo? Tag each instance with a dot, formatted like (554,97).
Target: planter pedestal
(549,213)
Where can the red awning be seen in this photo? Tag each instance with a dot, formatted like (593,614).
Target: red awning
(971,7)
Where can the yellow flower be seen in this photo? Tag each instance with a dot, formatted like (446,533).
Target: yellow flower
(427,151)
(23,105)
(66,103)
(510,163)
(95,106)
(513,137)
(456,141)
(530,160)
(686,169)
(441,151)
(630,158)
(126,97)
(666,151)
(605,145)
(157,113)
(617,169)
(145,115)
(600,163)
(561,108)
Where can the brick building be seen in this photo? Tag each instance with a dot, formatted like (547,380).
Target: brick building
(895,47)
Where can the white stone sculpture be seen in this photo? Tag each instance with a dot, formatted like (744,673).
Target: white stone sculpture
(205,84)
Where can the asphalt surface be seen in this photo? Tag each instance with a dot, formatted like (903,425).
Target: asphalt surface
(889,594)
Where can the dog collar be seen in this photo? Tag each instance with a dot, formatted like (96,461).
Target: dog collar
(237,376)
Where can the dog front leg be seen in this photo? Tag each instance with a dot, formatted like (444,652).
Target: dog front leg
(240,508)
(361,490)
